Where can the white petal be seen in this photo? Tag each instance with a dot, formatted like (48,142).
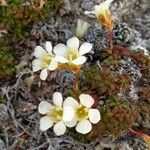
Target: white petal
(86,100)
(59,49)
(59,128)
(85,48)
(106,4)
(61,59)
(100,9)
(44,107)
(53,65)
(57,99)
(73,43)
(84,127)
(43,74)
(94,116)
(48,47)
(36,65)
(45,123)
(39,52)
(89,12)
(69,101)
(71,123)
(79,61)
(68,113)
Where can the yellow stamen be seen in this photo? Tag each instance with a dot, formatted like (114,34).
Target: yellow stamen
(81,113)
(46,60)
(55,114)
(72,54)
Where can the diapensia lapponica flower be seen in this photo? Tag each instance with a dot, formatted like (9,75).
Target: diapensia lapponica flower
(84,116)
(71,53)
(103,14)
(45,60)
(55,115)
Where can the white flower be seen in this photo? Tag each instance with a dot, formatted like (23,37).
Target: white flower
(103,14)
(44,61)
(84,114)
(100,9)
(71,53)
(55,115)
(82,27)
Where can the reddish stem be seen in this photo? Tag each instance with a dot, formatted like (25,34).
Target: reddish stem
(141,134)
(75,82)
(111,39)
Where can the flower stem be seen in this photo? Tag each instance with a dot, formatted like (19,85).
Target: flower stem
(111,39)
(141,134)
(75,82)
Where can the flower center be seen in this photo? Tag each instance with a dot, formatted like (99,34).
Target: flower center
(46,60)
(81,113)
(55,114)
(72,54)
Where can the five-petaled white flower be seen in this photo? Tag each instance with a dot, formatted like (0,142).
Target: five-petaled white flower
(71,53)
(45,60)
(103,14)
(55,114)
(84,114)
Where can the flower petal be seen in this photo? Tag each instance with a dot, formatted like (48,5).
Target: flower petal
(39,51)
(73,43)
(60,49)
(59,128)
(61,59)
(105,4)
(94,116)
(86,100)
(57,99)
(82,27)
(45,123)
(70,101)
(53,65)
(48,47)
(79,61)
(89,12)
(71,123)
(85,48)
(84,127)
(43,74)
(44,107)
(68,113)
(100,9)
(36,65)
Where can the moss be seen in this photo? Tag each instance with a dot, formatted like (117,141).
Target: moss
(141,60)
(116,117)
(105,81)
(2,98)
(7,65)
(18,19)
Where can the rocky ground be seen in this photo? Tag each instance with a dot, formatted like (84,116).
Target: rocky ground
(19,118)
